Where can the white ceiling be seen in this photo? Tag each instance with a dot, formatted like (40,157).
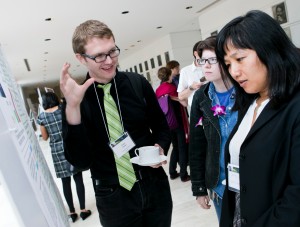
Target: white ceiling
(23,30)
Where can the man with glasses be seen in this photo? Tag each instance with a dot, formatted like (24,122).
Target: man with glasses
(189,80)
(106,105)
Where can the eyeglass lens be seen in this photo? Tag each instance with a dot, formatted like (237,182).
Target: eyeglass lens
(112,54)
(202,61)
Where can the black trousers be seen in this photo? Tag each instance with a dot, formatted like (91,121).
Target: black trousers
(179,153)
(148,204)
(66,183)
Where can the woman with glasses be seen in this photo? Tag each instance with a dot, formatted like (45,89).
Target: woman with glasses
(263,151)
(210,125)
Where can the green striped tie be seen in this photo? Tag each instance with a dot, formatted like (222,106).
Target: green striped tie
(125,170)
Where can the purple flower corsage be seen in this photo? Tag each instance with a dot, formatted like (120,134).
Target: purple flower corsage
(219,110)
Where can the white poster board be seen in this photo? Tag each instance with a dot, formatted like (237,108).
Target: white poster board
(23,169)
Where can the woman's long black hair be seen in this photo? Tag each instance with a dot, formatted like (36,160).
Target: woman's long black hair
(260,32)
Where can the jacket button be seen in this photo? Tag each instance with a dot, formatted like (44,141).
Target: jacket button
(244,221)
(243,188)
(242,157)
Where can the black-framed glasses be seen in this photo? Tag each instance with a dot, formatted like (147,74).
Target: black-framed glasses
(115,52)
(210,61)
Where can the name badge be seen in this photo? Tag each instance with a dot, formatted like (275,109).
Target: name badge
(122,145)
(233,177)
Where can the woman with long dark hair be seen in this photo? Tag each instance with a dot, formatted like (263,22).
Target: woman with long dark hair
(263,151)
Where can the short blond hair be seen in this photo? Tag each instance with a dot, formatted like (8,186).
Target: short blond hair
(88,30)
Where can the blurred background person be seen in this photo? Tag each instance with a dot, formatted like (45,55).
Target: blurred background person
(189,80)
(263,150)
(51,126)
(175,68)
(179,137)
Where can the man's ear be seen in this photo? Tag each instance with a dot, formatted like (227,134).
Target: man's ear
(81,59)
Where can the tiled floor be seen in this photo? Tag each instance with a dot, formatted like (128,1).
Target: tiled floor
(185,212)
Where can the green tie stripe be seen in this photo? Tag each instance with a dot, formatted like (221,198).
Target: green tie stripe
(111,111)
(124,167)
(125,173)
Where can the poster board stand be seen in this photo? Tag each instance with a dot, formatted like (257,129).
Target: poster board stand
(24,172)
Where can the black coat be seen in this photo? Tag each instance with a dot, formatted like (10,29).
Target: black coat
(87,143)
(269,163)
(204,148)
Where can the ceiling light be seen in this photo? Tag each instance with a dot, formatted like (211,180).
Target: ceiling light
(47,39)
(27,65)
(159,27)
(125,12)
(48,19)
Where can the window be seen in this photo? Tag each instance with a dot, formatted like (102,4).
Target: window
(159,60)
(146,66)
(152,63)
(167,57)
(148,77)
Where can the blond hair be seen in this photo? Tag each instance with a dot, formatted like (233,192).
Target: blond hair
(88,30)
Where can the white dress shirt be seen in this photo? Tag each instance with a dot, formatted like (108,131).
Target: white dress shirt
(243,130)
(188,75)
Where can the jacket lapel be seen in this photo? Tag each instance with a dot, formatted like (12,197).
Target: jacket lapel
(205,106)
(266,115)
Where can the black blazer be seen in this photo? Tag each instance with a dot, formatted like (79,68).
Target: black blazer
(269,170)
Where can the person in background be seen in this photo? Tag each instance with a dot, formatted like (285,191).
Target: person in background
(51,126)
(175,68)
(101,111)
(189,80)
(263,150)
(211,122)
(179,137)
